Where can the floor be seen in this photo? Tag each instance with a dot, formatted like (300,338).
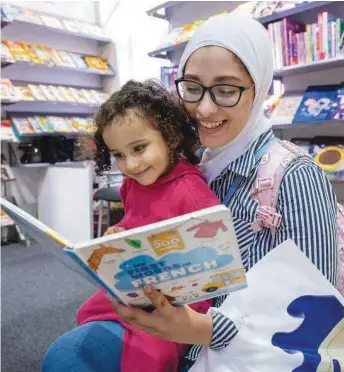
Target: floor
(39,297)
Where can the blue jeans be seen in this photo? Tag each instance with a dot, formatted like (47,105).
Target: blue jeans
(92,347)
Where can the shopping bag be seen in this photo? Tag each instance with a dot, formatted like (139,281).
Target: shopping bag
(290,319)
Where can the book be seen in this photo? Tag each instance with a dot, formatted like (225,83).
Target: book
(285,110)
(337,112)
(6,56)
(189,258)
(17,50)
(33,122)
(37,92)
(22,125)
(317,104)
(6,131)
(7,90)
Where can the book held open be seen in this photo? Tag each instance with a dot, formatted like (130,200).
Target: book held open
(189,258)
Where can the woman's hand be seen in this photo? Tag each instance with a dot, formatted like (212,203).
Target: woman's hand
(114,230)
(179,324)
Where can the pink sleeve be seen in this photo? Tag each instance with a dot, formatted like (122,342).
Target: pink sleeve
(196,195)
(123,194)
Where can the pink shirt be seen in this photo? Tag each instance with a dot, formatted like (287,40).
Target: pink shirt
(182,191)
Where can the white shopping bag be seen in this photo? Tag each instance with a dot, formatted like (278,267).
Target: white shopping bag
(290,319)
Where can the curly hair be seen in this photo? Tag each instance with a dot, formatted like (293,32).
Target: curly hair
(151,101)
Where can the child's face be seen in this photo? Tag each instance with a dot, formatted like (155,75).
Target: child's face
(140,151)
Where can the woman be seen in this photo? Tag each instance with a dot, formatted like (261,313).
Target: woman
(224,76)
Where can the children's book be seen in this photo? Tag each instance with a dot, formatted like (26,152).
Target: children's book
(317,104)
(285,110)
(189,258)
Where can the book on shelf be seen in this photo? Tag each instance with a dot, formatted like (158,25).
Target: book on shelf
(286,108)
(7,90)
(337,112)
(41,54)
(6,131)
(11,12)
(6,55)
(295,43)
(189,258)
(318,103)
(327,152)
(168,76)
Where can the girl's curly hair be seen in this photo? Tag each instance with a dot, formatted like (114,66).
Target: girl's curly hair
(151,101)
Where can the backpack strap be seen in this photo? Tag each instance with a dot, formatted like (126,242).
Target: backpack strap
(265,190)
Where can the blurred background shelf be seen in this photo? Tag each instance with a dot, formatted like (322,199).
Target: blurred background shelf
(310,67)
(22,26)
(48,107)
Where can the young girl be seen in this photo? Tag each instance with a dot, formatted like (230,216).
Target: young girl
(152,140)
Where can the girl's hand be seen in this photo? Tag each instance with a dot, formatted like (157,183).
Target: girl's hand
(179,324)
(114,230)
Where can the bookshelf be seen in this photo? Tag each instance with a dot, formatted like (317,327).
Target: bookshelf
(64,187)
(290,77)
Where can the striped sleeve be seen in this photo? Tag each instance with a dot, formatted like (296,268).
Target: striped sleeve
(308,205)
(224,330)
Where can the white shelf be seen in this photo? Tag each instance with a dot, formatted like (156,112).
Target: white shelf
(310,67)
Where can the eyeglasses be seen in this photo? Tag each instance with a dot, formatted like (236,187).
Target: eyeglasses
(225,95)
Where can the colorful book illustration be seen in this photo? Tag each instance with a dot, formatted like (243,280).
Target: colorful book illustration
(286,108)
(317,104)
(189,258)
(337,112)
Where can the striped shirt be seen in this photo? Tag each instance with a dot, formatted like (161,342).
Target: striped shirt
(308,207)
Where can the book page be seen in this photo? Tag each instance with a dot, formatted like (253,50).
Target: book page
(188,258)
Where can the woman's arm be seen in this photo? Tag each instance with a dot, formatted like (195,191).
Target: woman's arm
(308,206)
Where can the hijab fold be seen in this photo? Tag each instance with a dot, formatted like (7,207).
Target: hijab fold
(249,41)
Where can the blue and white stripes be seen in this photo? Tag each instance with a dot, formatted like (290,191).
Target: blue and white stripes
(307,204)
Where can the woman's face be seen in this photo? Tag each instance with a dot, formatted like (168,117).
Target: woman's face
(218,126)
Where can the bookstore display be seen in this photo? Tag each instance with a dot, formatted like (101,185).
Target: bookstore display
(53,93)
(10,13)
(17,51)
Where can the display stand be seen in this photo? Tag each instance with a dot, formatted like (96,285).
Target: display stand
(292,78)
(62,192)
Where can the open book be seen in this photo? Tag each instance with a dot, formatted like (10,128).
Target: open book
(189,258)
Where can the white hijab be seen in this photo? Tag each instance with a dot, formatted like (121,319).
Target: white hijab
(249,41)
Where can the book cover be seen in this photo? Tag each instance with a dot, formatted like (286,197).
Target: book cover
(44,123)
(33,122)
(31,52)
(22,125)
(66,59)
(317,104)
(78,60)
(6,55)
(337,112)
(285,110)
(37,92)
(24,93)
(17,50)
(8,91)
(47,92)
(6,131)
(189,258)
(65,92)
(59,124)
